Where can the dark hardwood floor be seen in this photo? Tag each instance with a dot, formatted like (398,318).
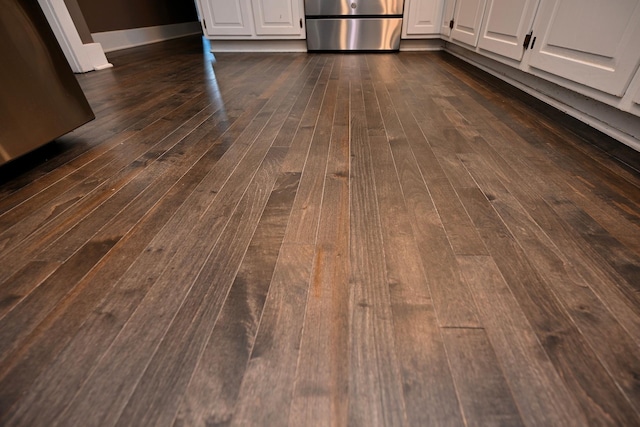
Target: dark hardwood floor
(323,239)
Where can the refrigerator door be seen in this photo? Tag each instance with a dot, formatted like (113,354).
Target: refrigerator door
(332,8)
(361,34)
(40,98)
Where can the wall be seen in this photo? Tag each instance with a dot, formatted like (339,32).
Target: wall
(112,15)
(79,21)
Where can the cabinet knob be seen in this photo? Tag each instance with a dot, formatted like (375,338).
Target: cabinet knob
(353,5)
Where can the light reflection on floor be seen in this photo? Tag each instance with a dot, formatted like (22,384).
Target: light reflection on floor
(209,60)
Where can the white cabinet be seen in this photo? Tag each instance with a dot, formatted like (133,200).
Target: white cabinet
(592,42)
(252,19)
(448,8)
(466,21)
(506,24)
(277,17)
(421,17)
(226,17)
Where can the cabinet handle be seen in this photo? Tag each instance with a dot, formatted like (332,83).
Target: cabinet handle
(527,40)
(300,22)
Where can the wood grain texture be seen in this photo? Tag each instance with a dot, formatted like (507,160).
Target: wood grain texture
(538,390)
(215,382)
(375,389)
(321,382)
(318,239)
(477,372)
(429,392)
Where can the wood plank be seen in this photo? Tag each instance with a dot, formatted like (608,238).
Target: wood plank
(151,321)
(321,381)
(46,224)
(485,396)
(538,390)
(375,391)
(306,209)
(302,142)
(215,383)
(89,293)
(166,377)
(450,294)
(62,250)
(591,262)
(536,176)
(563,342)
(185,266)
(429,392)
(267,386)
(54,334)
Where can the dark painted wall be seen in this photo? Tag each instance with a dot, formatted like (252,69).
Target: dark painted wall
(111,15)
(79,21)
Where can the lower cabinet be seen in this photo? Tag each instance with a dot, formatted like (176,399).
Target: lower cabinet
(277,18)
(506,25)
(421,18)
(589,47)
(462,20)
(594,44)
(252,19)
(226,17)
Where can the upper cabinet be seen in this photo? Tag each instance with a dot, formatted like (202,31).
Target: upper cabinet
(244,19)
(226,17)
(467,19)
(277,17)
(506,25)
(421,17)
(595,43)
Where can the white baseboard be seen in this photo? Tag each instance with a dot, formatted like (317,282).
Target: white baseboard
(296,45)
(420,45)
(123,39)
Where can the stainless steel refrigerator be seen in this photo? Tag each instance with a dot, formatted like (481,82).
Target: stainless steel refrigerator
(40,98)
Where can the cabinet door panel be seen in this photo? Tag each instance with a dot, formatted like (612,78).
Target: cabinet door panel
(277,17)
(227,17)
(447,16)
(423,16)
(467,20)
(506,23)
(572,42)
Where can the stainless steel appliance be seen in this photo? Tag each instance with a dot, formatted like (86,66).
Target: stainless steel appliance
(348,25)
(40,98)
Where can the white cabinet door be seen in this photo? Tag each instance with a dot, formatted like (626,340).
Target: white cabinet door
(277,17)
(592,42)
(506,24)
(448,8)
(227,17)
(422,17)
(467,20)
